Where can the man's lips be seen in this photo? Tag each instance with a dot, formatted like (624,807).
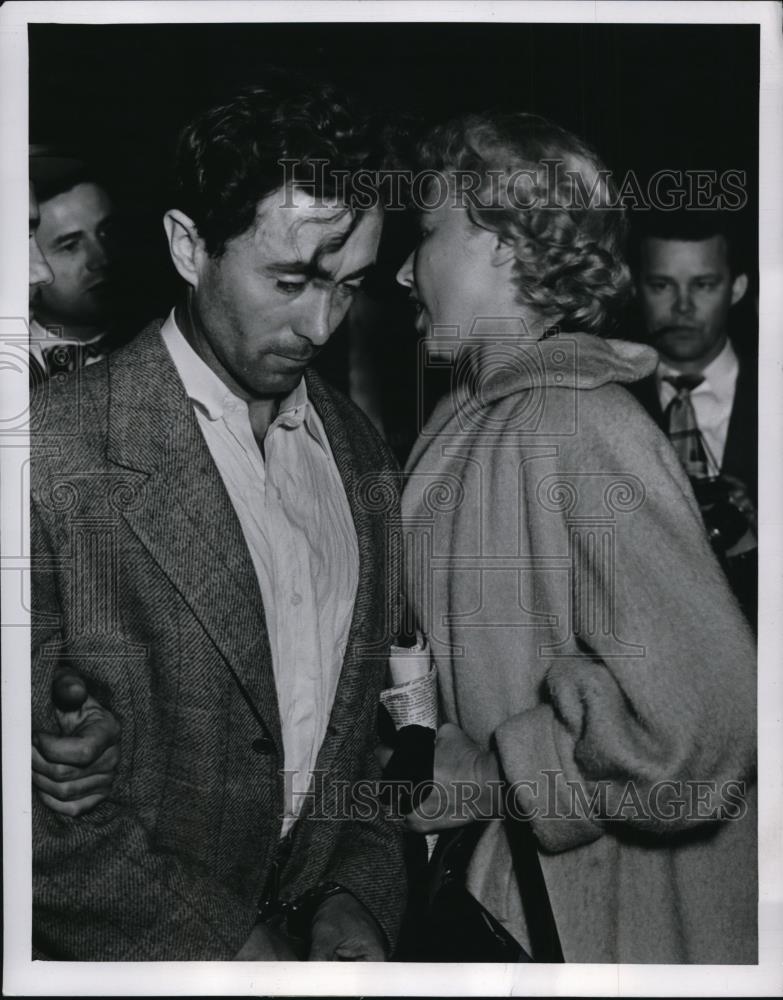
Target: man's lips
(676,328)
(301,360)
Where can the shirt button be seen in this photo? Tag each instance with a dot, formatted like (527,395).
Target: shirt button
(296,599)
(263,745)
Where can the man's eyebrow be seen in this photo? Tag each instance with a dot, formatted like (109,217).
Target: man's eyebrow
(304,267)
(65,237)
(359,273)
(313,271)
(665,276)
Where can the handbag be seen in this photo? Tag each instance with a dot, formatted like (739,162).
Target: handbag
(459,928)
(444,922)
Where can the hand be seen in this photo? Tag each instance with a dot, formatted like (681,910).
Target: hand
(266,944)
(383,754)
(467,785)
(740,497)
(345,931)
(74,771)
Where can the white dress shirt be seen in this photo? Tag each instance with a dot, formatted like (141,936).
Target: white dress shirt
(299,531)
(47,337)
(712,402)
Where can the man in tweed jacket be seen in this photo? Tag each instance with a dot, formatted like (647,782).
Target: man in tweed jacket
(149,576)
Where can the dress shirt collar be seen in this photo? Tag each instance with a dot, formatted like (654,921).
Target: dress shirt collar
(215,400)
(720,375)
(51,336)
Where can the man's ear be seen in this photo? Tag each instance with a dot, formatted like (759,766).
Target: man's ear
(738,288)
(185,245)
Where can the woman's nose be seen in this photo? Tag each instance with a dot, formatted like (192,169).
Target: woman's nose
(405,273)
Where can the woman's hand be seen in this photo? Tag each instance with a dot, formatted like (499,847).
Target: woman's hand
(467,785)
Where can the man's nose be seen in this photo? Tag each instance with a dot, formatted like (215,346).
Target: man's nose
(405,273)
(40,272)
(97,255)
(683,303)
(318,320)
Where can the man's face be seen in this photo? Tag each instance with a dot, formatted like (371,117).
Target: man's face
(75,236)
(686,290)
(268,305)
(40,272)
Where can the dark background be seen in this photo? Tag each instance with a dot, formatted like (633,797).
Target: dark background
(645,96)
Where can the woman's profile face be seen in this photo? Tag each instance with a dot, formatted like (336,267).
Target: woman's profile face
(450,273)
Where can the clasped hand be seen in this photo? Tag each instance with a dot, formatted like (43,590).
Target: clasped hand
(73,771)
(466,783)
(342,931)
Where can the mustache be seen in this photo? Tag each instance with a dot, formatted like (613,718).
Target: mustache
(672,327)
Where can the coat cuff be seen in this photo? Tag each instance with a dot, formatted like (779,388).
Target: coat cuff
(538,788)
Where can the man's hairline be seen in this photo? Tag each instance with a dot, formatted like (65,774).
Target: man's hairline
(95,183)
(646,237)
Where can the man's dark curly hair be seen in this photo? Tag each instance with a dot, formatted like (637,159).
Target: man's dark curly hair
(567,243)
(238,152)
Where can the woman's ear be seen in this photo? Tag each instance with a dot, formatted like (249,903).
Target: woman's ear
(502,251)
(185,245)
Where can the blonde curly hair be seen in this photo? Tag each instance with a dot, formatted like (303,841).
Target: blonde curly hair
(548,195)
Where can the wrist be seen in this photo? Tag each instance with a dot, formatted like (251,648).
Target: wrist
(300,913)
(489,781)
(487,768)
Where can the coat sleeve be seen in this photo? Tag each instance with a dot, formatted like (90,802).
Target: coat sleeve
(649,724)
(101,892)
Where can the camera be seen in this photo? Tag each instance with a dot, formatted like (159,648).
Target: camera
(725,520)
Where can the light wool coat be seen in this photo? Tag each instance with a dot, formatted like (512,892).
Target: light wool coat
(582,627)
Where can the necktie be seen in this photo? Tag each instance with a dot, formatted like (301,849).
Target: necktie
(60,359)
(682,427)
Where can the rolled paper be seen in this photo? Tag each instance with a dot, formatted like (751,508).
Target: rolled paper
(408,663)
(413,698)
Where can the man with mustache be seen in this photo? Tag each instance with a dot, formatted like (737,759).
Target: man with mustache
(704,393)
(206,570)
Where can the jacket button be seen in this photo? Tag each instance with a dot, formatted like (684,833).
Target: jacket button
(263,745)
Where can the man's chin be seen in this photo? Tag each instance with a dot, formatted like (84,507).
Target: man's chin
(275,384)
(685,345)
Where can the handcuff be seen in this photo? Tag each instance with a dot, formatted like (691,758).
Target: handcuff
(297,913)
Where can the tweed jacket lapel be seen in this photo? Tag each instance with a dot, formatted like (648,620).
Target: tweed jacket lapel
(371,542)
(184,515)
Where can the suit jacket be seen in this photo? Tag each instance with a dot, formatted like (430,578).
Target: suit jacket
(143,582)
(740,457)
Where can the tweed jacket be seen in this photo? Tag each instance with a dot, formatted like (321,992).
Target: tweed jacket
(143,582)
(582,629)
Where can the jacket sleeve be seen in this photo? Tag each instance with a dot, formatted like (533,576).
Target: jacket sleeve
(649,723)
(100,890)
(368,859)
